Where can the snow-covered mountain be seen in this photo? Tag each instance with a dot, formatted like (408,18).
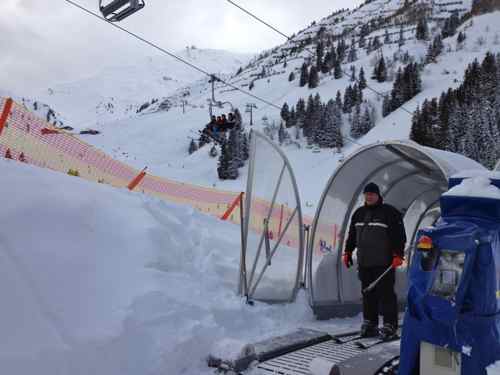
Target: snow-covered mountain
(118,91)
(162,140)
(159,135)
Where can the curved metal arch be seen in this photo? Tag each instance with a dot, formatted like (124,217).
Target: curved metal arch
(248,201)
(309,251)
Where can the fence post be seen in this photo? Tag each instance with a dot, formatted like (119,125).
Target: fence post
(137,180)
(5,113)
(232,207)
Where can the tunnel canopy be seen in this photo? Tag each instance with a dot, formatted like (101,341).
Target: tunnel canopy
(411,178)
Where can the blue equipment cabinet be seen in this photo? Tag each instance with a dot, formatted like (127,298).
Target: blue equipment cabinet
(454,281)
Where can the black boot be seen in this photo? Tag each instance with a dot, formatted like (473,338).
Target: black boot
(368,329)
(388,332)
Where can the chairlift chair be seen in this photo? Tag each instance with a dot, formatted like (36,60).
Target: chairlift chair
(117,10)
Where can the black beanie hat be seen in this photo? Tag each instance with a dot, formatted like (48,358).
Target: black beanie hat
(372,188)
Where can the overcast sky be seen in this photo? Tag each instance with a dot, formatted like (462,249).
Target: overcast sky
(43,42)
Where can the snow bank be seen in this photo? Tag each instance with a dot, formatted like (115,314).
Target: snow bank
(478,173)
(479,186)
(100,281)
(494,369)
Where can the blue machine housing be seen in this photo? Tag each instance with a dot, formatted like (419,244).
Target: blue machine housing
(467,320)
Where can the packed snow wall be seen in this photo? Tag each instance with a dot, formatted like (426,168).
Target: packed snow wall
(411,178)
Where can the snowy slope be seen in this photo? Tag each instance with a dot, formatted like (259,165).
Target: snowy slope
(119,90)
(160,140)
(100,281)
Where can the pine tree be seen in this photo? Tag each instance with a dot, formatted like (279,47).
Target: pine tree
(380,71)
(353,73)
(300,112)
(337,70)
(469,146)
(227,169)
(366,121)
(369,47)
(451,25)
(341,50)
(435,49)
(235,145)
(460,40)
(338,99)
(192,147)
(401,40)
(304,75)
(398,91)
(320,131)
(386,106)
(362,79)
(282,135)
(285,112)
(292,121)
(329,126)
(339,141)
(320,48)
(356,130)
(245,149)
(387,37)
(376,43)
(327,63)
(313,78)
(422,32)
(353,53)
(416,132)
(317,113)
(355,99)
(291,77)
(348,99)
(263,72)
(486,134)
(362,41)
(309,117)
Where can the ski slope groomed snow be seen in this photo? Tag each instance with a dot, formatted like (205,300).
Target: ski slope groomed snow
(101,281)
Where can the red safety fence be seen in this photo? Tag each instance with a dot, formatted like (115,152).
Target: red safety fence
(30,139)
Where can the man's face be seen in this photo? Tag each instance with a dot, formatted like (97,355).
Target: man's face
(371,198)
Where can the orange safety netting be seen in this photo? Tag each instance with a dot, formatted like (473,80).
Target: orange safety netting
(30,139)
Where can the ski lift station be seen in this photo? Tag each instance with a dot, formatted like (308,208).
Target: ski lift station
(411,177)
(280,255)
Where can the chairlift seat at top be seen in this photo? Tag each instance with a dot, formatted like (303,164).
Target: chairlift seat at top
(117,10)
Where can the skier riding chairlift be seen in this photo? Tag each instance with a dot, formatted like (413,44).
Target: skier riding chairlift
(117,10)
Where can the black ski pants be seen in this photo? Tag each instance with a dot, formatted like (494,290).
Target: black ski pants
(382,298)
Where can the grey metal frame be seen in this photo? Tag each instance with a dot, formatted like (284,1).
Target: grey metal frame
(254,135)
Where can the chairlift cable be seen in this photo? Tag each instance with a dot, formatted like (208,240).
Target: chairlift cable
(307,49)
(312,53)
(171,54)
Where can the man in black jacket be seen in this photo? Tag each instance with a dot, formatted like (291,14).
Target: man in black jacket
(377,232)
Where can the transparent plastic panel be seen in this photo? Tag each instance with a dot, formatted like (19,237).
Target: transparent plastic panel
(274,242)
